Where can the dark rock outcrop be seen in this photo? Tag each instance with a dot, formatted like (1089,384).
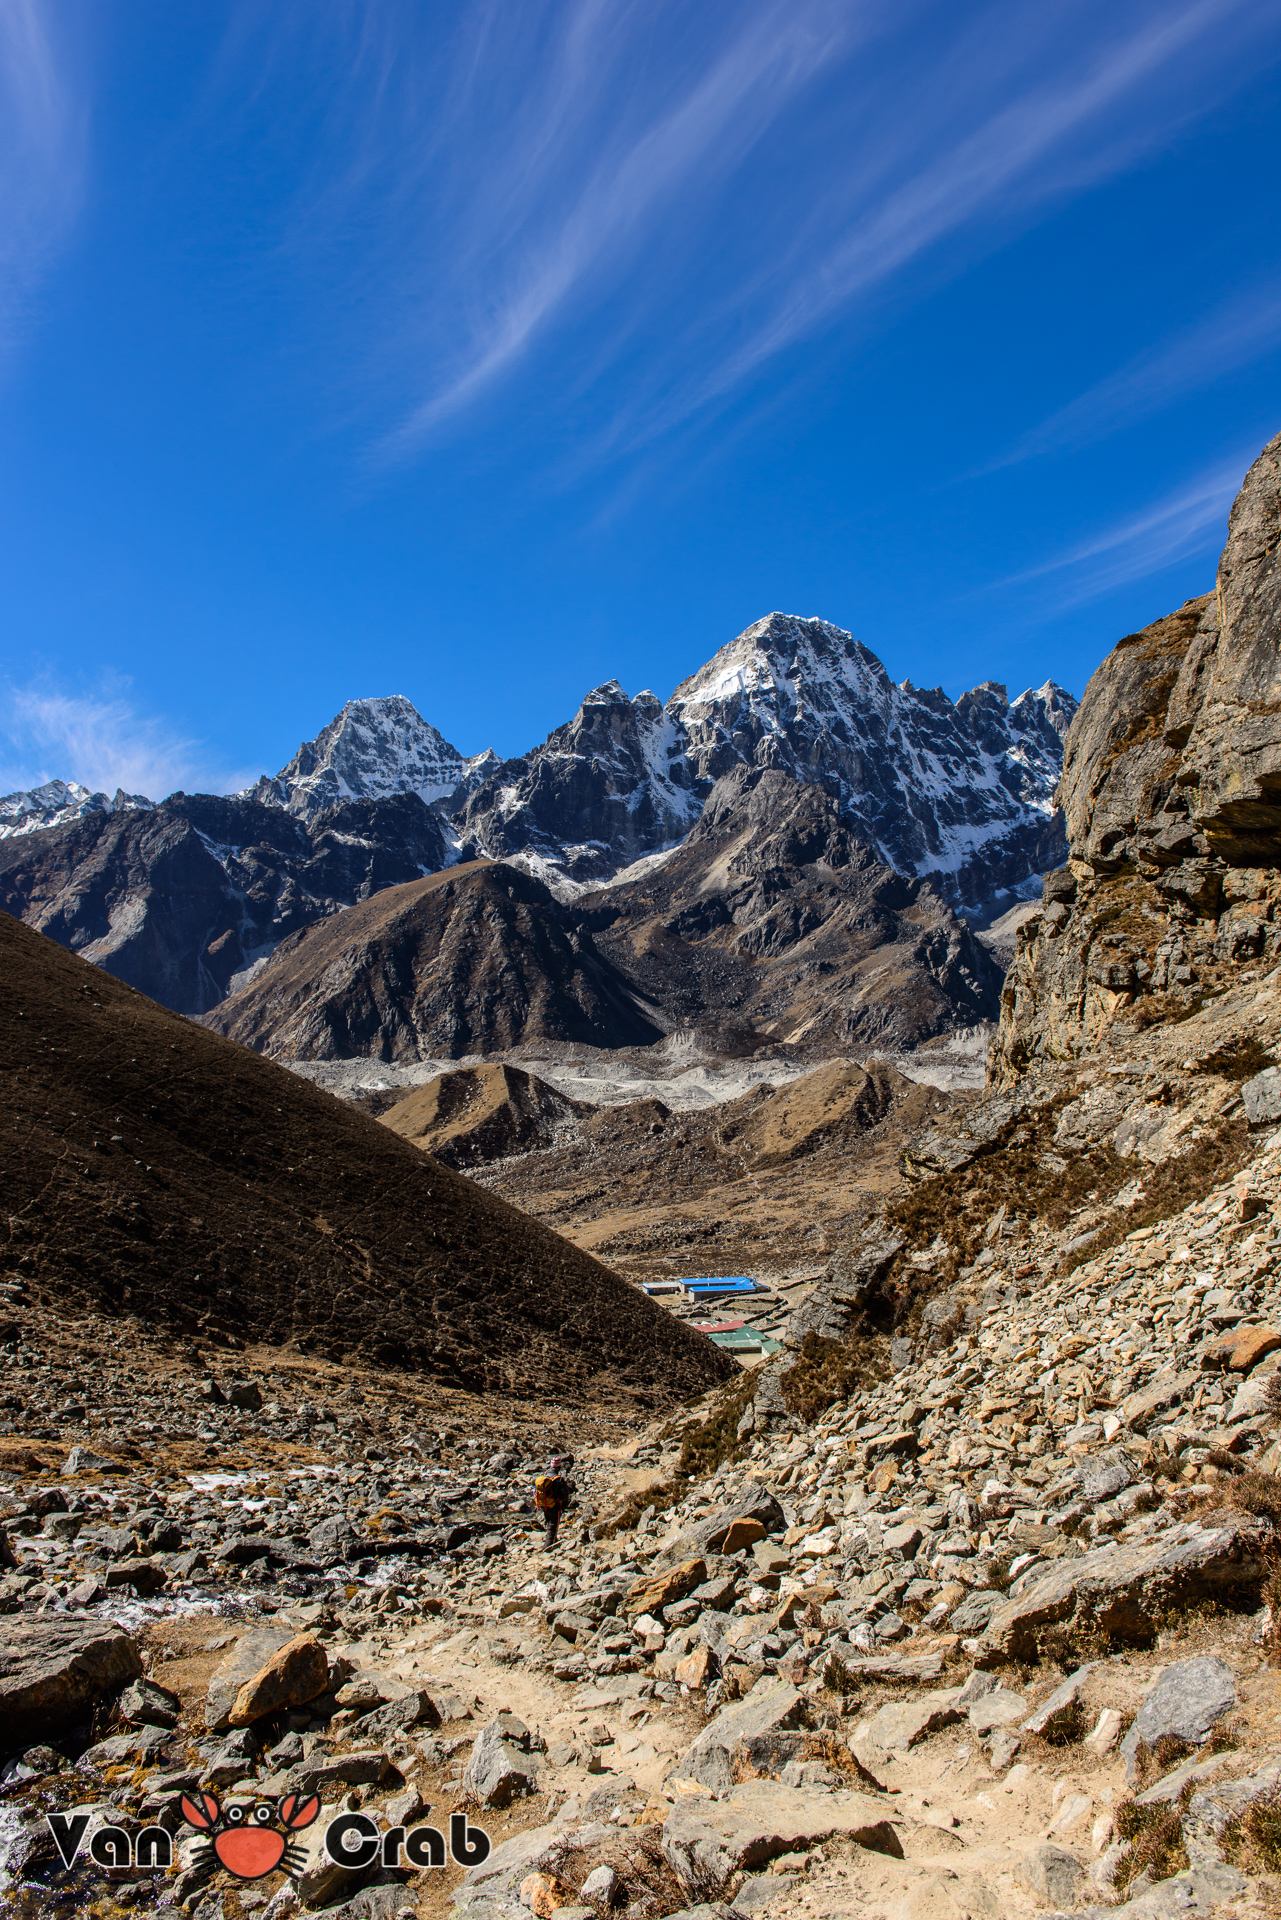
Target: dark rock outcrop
(612,785)
(774,914)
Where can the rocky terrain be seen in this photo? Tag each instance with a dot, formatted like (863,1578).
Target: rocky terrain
(181,899)
(964,1601)
(771,920)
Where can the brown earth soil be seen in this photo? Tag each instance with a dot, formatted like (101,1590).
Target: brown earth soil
(479,1114)
(153,1168)
(763,1184)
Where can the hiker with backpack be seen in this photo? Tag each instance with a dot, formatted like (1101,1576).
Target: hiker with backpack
(552,1494)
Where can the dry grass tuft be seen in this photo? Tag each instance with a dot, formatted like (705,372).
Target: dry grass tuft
(1153,1838)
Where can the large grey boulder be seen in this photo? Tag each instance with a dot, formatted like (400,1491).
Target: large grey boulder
(705,1843)
(501,1764)
(902,1723)
(1187,1700)
(1124,1591)
(54,1671)
(1261,1097)
(772,1707)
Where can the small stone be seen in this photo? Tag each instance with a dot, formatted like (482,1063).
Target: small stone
(1106,1733)
(599,1887)
(149,1705)
(698,1669)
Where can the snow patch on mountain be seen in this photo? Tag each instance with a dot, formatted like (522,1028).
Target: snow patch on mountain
(59,802)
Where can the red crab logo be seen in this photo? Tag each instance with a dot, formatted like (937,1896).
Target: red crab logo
(244,1839)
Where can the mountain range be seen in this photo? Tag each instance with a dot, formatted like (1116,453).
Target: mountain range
(919,806)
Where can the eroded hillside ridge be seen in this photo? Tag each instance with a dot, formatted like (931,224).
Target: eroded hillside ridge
(1171,791)
(151,1169)
(960,793)
(183,899)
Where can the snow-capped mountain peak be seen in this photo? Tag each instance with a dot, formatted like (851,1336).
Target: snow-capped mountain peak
(372,749)
(961,791)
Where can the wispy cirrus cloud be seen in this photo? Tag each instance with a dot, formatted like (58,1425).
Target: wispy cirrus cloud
(42,147)
(104,739)
(615,217)
(1190,519)
(1236,333)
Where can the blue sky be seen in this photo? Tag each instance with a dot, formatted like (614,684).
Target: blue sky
(482,352)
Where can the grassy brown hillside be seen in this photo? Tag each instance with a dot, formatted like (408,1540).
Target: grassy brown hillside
(151,1167)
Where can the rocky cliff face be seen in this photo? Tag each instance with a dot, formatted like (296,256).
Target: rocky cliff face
(959,793)
(608,788)
(178,899)
(1171,791)
(775,914)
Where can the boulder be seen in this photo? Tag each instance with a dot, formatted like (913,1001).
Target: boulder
(1261,1097)
(741,1532)
(755,1503)
(413,1709)
(698,1669)
(999,1708)
(707,1842)
(295,1673)
(901,1723)
(662,1589)
(147,1704)
(1187,1700)
(1062,1697)
(501,1764)
(1053,1876)
(1124,1591)
(247,1658)
(54,1671)
(771,1707)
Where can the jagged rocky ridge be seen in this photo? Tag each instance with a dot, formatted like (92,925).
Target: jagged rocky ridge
(180,898)
(184,899)
(373,750)
(58,803)
(959,793)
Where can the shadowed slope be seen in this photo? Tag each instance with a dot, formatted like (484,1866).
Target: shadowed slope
(155,1168)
